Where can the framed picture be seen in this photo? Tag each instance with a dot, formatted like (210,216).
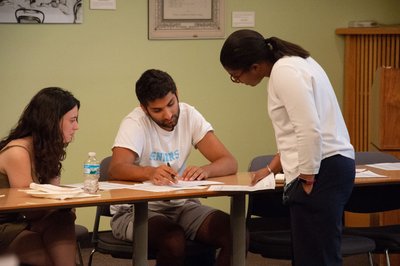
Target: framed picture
(186,19)
(41,11)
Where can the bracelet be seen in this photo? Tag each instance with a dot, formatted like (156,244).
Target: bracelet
(307,181)
(269,169)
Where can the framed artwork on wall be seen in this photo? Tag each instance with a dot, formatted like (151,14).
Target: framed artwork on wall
(41,11)
(186,19)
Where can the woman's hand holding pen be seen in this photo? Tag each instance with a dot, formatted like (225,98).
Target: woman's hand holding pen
(163,175)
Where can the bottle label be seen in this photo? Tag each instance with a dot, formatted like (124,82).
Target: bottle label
(91,169)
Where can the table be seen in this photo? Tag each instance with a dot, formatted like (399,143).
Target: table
(391,177)
(16,200)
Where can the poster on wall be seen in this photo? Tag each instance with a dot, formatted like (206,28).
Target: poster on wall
(41,11)
(186,19)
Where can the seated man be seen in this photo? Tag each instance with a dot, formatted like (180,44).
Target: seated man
(153,143)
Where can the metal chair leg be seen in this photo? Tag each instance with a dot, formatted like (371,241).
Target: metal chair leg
(371,262)
(387,257)
(78,247)
(91,257)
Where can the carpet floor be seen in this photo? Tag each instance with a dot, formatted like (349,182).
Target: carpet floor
(252,260)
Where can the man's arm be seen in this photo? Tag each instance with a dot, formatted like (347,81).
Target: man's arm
(221,160)
(123,167)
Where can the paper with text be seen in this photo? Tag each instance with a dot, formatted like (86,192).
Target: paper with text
(267,182)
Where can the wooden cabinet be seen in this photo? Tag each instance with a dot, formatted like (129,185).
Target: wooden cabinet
(366,49)
(385,111)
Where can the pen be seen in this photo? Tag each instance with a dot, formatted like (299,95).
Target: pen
(173,176)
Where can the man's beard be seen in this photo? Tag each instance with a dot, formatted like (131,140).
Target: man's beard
(168,125)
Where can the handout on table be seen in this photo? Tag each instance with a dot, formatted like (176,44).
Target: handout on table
(148,186)
(267,182)
(386,166)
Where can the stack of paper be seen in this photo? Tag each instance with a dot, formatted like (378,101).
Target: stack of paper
(56,192)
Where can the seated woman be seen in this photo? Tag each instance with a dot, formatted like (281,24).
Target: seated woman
(33,152)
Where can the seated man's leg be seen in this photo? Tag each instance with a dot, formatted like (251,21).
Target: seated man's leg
(168,239)
(215,230)
(209,226)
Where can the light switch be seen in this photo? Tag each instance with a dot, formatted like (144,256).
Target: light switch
(243,19)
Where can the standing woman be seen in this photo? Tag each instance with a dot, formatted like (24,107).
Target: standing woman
(33,152)
(312,139)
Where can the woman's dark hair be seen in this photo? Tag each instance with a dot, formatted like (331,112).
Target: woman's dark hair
(154,84)
(243,48)
(41,120)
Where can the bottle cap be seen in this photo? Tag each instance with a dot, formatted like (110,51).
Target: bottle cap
(92,153)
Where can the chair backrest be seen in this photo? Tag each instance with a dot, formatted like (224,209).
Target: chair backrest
(102,210)
(267,205)
(377,198)
(369,157)
(104,164)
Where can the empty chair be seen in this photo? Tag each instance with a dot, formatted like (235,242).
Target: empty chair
(104,242)
(268,221)
(362,200)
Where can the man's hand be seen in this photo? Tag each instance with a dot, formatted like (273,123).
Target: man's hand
(194,173)
(163,175)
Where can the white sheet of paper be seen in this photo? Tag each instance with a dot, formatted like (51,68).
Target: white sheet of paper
(148,186)
(386,166)
(267,182)
(367,174)
(154,188)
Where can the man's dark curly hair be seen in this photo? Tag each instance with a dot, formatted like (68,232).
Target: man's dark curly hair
(154,84)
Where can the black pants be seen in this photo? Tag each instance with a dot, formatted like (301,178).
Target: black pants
(316,218)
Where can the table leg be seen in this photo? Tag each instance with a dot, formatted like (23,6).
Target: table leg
(238,225)
(140,235)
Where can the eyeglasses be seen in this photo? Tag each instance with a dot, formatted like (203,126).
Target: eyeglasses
(236,79)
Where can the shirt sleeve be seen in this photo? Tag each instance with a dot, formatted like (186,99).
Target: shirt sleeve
(296,91)
(130,127)
(199,126)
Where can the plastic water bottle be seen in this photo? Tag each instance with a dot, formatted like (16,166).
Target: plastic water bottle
(91,173)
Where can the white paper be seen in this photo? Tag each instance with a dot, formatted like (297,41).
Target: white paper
(386,166)
(267,182)
(56,192)
(367,174)
(155,188)
(187,9)
(280,177)
(53,188)
(103,4)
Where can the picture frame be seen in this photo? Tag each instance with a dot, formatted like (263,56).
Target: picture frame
(186,19)
(41,11)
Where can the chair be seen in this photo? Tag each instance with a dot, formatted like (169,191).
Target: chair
(81,233)
(268,221)
(362,200)
(24,15)
(104,242)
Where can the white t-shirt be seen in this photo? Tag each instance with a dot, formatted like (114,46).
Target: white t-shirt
(306,116)
(156,146)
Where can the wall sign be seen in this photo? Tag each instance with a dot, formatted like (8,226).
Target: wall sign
(186,19)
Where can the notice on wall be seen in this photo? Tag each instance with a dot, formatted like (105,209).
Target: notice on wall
(103,4)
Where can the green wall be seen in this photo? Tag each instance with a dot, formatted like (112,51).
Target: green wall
(100,60)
